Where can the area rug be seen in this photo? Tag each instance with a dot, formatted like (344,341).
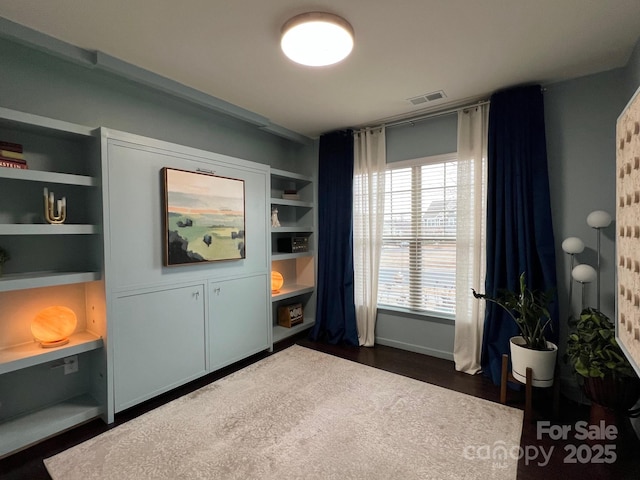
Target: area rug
(303,414)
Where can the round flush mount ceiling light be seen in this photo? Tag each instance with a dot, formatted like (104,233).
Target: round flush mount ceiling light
(317,39)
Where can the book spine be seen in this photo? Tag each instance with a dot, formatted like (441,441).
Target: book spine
(13,164)
(9,159)
(11,154)
(13,147)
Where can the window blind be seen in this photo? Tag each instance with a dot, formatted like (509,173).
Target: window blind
(418,261)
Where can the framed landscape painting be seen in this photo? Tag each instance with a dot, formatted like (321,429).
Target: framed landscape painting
(204,217)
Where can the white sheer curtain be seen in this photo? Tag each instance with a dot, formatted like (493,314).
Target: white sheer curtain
(470,236)
(368,219)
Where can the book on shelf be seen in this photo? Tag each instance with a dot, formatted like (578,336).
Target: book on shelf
(11,147)
(10,163)
(12,155)
(290,196)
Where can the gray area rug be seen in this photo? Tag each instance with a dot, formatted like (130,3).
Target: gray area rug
(302,414)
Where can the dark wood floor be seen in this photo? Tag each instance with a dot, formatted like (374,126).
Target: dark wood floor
(27,464)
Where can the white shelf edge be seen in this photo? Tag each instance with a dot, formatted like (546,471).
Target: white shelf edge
(48,177)
(21,281)
(290,291)
(285,175)
(275,256)
(31,121)
(47,229)
(27,429)
(291,203)
(291,229)
(280,332)
(31,354)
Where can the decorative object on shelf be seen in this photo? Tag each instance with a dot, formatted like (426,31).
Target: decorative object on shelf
(204,217)
(530,310)
(274,217)
(317,39)
(290,194)
(12,156)
(51,215)
(277,280)
(293,245)
(53,326)
(4,257)
(290,315)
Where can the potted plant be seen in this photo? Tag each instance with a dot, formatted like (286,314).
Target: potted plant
(529,309)
(4,256)
(606,376)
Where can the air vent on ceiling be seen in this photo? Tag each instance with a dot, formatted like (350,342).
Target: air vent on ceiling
(427,97)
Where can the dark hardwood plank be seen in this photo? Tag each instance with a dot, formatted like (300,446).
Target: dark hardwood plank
(27,464)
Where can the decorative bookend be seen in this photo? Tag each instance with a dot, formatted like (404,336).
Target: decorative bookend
(50,213)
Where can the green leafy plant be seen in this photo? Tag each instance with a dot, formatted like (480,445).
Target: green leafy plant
(592,348)
(4,256)
(529,309)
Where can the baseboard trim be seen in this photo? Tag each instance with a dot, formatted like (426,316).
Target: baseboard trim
(416,348)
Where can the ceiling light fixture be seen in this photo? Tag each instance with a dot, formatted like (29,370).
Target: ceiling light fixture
(317,39)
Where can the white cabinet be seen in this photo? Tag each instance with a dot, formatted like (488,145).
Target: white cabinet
(293,247)
(238,312)
(159,342)
(50,265)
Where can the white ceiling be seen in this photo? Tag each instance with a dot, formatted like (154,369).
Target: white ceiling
(230,49)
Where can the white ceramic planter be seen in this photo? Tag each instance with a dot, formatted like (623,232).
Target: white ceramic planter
(542,362)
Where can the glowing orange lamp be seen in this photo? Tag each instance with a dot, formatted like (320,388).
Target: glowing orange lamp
(53,325)
(277,280)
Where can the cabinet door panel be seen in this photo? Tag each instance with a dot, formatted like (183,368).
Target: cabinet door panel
(238,314)
(159,342)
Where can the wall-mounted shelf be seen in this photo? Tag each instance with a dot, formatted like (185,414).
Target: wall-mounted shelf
(30,354)
(290,291)
(20,281)
(29,428)
(47,229)
(48,177)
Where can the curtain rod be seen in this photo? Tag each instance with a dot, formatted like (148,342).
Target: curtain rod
(435,114)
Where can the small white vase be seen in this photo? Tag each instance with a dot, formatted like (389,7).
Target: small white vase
(542,362)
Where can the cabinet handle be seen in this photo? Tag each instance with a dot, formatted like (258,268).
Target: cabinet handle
(196,294)
(216,291)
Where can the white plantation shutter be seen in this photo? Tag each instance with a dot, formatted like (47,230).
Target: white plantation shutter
(418,263)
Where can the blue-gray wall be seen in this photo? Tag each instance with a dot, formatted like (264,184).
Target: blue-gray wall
(580,117)
(42,84)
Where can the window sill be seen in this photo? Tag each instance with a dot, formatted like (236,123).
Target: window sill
(426,316)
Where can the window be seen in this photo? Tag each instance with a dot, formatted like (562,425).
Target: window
(418,260)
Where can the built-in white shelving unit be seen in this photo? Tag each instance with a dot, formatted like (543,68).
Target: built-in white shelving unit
(297,222)
(50,264)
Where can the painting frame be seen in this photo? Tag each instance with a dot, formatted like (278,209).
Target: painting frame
(204,217)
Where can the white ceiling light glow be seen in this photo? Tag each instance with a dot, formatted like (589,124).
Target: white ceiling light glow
(317,39)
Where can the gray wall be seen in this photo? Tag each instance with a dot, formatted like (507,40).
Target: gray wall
(42,84)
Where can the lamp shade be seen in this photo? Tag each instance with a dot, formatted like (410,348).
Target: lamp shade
(598,219)
(277,280)
(53,325)
(317,39)
(572,245)
(584,273)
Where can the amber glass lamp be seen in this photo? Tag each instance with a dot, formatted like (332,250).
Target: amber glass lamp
(53,326)
(277,280)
